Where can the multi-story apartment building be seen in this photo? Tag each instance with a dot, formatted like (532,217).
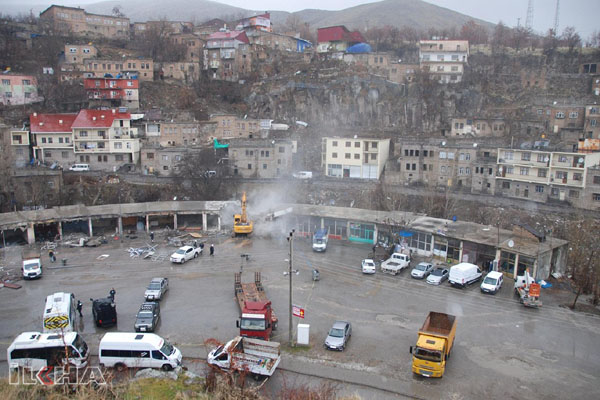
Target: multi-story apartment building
(542,175)
(113,92)
(67,20)
(163,161)
(142,68)
(278,41)
(260,22)
(53,138)
(337,39)
(193,45)
(105,139)
(183,133)
(261,158)
(444,59)
(14,147)
(478,127)
(230,126)
(591,195)
(591,125)
(354,157)
(18,89)
(76,53)
(227,55)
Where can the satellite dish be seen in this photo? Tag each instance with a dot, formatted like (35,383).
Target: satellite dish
(474,144)
(546,159)
(443,143)
(511,243)
(580,160)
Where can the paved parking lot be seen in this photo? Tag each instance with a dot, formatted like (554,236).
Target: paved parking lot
(502,349)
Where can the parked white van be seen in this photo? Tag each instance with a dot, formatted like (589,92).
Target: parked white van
(79,167)
(492,282)
(464,274)
(35,350)
(137,350)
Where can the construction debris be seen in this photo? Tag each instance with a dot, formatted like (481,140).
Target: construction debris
(144,252)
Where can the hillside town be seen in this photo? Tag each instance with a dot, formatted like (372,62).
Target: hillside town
(434,150)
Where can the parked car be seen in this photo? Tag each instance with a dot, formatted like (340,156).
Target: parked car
(147,317)
(464,274)
(422,270)
(156,289)
(368,266)
(492,282)
(104,311)
(338,336)
(437,276)
(185,253)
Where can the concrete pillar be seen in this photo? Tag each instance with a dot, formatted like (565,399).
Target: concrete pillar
(174,221)
(516,266)
(147,223)
(120,224)
(204,222)
(375,234)
(30,233)
(219,223)
(90,227)
(60,229)
(460,252)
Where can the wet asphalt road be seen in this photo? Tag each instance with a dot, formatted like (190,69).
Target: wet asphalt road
(502,349)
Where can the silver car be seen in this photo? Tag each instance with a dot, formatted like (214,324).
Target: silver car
(338,336)
(438,276)
(422,270)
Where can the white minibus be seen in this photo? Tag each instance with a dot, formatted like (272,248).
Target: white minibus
(137,350)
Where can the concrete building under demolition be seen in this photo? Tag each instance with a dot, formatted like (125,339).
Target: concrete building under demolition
(443,241)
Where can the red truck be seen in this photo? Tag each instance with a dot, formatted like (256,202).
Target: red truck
(257,318)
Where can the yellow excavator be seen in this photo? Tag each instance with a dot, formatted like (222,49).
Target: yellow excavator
(241,225)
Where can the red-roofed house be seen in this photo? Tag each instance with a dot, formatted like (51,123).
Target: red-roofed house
(337,38)
(52,137)
(227,55)
(113,92)
(104,139)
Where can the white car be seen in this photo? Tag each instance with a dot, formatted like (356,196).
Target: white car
(368,266)
(422,270)
(185,253)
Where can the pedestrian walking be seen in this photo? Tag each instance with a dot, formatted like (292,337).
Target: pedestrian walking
(152,237)
(212,249)
(112,294)
(79,307)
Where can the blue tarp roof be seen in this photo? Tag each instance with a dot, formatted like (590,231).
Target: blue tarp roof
(359,48)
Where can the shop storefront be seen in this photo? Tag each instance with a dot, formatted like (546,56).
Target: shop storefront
(362,232)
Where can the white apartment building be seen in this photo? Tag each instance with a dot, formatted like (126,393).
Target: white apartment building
(445,59)
(354,157)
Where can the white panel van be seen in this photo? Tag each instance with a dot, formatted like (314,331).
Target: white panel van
(464,274)
(137,350)
(79,167)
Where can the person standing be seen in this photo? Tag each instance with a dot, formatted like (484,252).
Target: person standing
(212,249)
(79,307)
(51,255)
(152,237)
(112,294)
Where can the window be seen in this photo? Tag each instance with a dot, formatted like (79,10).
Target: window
(50,140)
(542,172)
(505,185)
(574,194)
(348,144)
(47,154)
(510,170)
(373,145)
(406,153)
(468,171)
(6,82)
(150,156)
(442,154)
(83,133)
(26,82)
(560,115)
(440,57)
(593,122)
(8,94)
(596,180)
(541,158)
(249,166)
(43,140)
(334,155)
(450,156)
(348,156)
(334,143)
(407,166)
(524,171)
(526,156)
(461,171)
(577,176)
(357,156)
(467,156)
(596,196)
(264,166)
(461,156)
(562,159)
(281,149)
(454,69)
(562,175)
(357,145)
(119,157)
(539,189)
(573,114)
(165,157)
(508,155)
(64,154)
(373,157)
(540,111)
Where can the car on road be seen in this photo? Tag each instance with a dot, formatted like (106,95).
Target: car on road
(156,289)
(437,276)
(338,336)
(492,282)
(147,317)
(185,253)
(368,266)
(422,270)
(104,312)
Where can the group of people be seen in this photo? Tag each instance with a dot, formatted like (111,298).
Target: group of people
(111,294)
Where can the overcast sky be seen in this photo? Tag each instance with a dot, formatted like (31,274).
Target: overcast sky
(582,14)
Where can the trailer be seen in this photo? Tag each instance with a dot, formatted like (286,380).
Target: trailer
(528,291)
(257,318)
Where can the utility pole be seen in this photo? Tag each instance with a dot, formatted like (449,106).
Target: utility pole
(556,18)
(291,240)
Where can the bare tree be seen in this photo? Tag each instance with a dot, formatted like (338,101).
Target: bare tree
(500,37)
(116,11)
(157,44)
(193,174)
(583,260)
(474,33)
(571,38)
(593,40)
(550,42)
